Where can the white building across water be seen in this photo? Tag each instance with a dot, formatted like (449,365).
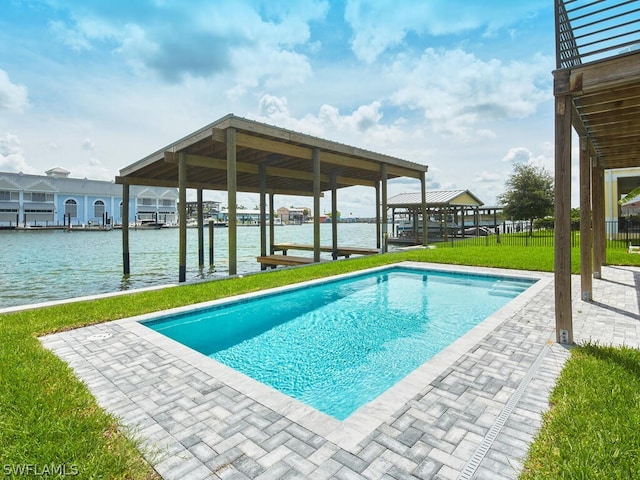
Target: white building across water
(56,199)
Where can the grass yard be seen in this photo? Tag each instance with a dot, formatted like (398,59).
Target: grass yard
(49,420)
(591,430)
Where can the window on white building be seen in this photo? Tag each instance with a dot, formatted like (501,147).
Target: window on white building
(71,208)
(7,196)
(98,208)
(38,197)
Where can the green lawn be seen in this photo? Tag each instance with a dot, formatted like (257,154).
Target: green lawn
(48,419)
(591,430)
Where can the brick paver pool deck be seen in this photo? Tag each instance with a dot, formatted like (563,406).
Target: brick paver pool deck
(471,412)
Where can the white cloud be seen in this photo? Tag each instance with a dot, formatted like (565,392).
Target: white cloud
(364,123)
(518,156)
(489,177)
(522,155)
(93,169)
(12,157)
(381,24)
(87,144)
(13,97)
(460,94)
(256,44)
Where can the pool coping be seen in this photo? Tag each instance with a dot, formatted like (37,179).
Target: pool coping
(348,433)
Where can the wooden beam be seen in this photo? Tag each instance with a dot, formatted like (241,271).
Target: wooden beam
(244,167)
(378,226)
(599,226)
(200,228)
(302,140)
(605,75)
(263,214)
(423,210)
(271,146)
(232,185)
(126,265)
(586,262)
(562,231)
(343,161)
(316,205)
(182,217)
(334,218)
(385,226)
(272,234)
(211,245)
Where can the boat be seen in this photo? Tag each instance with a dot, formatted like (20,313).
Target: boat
(149,225)
(191,223)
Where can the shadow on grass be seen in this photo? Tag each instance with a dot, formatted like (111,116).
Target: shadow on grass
(625,357)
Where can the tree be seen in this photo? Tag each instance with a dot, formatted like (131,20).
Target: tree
(529,194)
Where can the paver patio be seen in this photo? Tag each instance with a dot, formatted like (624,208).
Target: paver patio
(471,412)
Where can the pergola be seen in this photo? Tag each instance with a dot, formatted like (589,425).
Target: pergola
(597,93)
(234,154)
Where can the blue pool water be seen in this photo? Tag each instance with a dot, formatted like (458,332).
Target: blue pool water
(339,344)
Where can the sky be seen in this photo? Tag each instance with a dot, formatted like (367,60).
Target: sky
(462,86)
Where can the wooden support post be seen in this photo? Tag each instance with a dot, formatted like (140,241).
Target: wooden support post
(316,205)
(272,235)
(232,198)
(126,265)
(599,228)
(385,218)
(211,243)
(586,269)
(200,229)
(423,209)
(416,227)
(334,213)
(378,226)
(394,231)
(182,216)
(263,214)
(562,231)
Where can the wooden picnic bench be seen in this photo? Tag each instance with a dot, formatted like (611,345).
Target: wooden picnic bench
(341,251)
(288,260)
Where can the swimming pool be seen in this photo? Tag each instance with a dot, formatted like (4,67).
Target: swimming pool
(339,344)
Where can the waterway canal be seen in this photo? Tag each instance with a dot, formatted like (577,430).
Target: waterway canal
(40,266)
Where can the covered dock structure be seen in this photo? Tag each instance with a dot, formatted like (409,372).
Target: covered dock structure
(597,95)
(235,154)
(445,211)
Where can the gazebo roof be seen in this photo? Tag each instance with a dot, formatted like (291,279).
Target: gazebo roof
(287,157)
(436,198)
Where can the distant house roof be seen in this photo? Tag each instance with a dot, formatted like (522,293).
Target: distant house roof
(436,198)
(76,186)
(58,172)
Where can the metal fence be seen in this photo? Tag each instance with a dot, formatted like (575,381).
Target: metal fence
(619,234)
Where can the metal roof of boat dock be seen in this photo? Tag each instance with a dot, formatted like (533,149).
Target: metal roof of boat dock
(286,155)
(436,198)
